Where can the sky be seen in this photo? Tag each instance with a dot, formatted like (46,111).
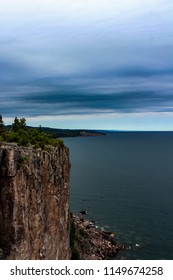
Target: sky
(95,64)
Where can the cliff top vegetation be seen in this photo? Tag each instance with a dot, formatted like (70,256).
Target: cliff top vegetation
(23,135)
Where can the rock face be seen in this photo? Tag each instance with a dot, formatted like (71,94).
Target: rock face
(91,242)
(34,203)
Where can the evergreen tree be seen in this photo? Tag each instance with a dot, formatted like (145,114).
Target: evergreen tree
(24,136)
(2,126)
(18,124)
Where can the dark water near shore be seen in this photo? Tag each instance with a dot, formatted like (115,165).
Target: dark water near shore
(125,181)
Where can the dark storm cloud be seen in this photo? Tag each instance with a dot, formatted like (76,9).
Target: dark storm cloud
(139,72)
(78,59)
(116,102)
(53,97)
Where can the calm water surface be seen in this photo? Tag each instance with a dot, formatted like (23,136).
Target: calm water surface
(125,181)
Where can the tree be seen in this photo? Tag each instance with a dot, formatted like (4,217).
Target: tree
(24,136)
(2,126)
(18,124)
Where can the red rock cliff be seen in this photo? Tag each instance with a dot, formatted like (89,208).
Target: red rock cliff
(34,203)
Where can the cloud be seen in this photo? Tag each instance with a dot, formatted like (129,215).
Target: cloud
(80,96)
(64,58)
(68,39)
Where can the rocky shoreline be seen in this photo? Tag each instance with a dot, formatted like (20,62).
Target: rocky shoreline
(89,242)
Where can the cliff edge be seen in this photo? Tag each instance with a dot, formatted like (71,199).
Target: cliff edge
(34,203)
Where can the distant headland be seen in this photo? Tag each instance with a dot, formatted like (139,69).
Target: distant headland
(54,132)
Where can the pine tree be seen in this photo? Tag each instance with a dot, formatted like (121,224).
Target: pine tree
(18,124)
(2,126)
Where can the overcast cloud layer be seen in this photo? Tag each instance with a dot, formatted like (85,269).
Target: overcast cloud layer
(84,58)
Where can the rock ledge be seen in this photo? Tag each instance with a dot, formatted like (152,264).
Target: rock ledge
(93,243)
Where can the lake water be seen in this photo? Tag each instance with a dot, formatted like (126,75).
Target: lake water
(125,181)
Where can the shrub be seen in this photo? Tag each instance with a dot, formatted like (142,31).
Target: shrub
(24,136)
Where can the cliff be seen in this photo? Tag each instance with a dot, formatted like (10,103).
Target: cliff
(34,203)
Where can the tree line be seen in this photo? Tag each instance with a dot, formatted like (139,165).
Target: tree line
(23,135)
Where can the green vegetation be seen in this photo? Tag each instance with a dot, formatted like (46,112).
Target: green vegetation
(57,132)
(23,135)
(21,161)
(79,240)
(73,240)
